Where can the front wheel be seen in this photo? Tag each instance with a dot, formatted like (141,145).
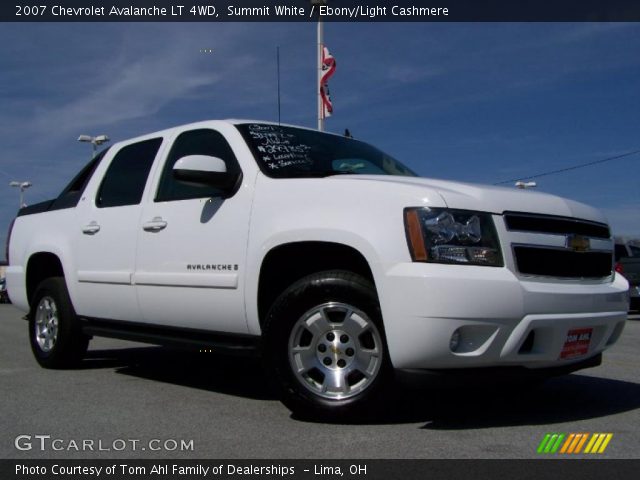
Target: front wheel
(56,338)
(325,346)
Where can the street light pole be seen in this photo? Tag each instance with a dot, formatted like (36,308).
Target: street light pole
(95,141)
(22,186)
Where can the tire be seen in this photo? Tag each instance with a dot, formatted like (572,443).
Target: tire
(325,348)
(56,337)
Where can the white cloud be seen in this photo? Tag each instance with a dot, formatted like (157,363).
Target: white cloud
(135,86)
(141,70)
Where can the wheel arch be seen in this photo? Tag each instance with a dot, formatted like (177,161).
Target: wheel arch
(286,263)
(40,266)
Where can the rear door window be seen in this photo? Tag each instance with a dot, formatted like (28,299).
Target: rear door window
(124,182)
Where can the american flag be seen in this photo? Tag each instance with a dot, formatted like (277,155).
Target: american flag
(328,69)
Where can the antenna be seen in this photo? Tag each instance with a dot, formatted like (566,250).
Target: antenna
(278,64)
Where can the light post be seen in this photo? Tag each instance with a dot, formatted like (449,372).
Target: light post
(522,185)
(22,186)
(95,141)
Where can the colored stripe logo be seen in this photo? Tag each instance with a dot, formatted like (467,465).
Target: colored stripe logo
(574,443)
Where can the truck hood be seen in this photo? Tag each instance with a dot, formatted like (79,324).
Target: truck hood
(469,196)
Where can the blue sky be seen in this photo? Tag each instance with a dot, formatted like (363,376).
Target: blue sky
(475,102)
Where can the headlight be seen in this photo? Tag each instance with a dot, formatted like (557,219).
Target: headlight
(442,235)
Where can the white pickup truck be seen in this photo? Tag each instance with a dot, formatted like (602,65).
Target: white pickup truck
(323,254)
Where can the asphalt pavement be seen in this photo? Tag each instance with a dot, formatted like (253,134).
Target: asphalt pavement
(135,401)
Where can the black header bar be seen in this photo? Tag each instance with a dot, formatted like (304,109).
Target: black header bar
(329,10)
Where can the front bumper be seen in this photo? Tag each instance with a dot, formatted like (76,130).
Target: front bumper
(495,313)
(490,375)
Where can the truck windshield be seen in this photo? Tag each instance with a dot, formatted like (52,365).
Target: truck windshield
(287,152)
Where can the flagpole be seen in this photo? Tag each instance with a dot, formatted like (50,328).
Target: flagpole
(278,67)
(319,67)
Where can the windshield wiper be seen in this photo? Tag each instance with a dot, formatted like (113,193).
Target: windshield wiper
(318,173)
(328,173)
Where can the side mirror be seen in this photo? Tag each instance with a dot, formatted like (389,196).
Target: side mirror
(204,170)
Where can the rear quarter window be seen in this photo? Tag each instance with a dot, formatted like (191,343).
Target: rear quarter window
(72,193)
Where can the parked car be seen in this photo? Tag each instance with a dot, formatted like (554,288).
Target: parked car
(627,257)
(4,296)
(329,258)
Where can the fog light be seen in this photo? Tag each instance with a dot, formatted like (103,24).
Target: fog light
(455,341)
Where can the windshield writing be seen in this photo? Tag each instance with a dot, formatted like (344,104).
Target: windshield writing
(286,152)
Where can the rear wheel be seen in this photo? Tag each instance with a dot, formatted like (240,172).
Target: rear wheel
(325,346)
(56,338)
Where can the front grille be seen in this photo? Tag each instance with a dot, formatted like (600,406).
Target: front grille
(562,263)
(544,257)
(555,225)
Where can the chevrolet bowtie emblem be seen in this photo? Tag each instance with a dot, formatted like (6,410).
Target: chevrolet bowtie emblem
(578,243)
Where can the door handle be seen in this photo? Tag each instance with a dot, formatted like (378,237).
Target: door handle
(154,225)
(91,229)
